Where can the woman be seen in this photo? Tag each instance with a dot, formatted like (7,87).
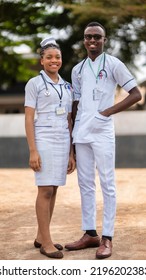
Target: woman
(49,139)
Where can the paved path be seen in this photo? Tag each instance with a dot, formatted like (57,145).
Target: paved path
(18,220)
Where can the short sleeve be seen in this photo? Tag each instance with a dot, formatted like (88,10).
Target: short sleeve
(31,93)
(76,85)
(123,76)
(69,88)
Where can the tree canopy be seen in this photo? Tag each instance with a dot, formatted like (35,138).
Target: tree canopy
(26,22)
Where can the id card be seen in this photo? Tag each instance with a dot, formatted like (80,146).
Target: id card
(60,110)
(97,94)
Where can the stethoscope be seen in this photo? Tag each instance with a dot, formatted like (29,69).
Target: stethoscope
(100,74)
(79,74)
(47,91)
(103,69)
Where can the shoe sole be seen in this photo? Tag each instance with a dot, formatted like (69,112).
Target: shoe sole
(54,255)
(103,257)
(81,248)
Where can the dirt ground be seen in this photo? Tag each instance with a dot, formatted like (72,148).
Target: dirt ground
(18,219)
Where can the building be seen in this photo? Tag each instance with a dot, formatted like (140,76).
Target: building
(12,99)
(130,127)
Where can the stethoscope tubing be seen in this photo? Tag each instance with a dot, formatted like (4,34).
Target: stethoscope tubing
(47,92)
(102,70)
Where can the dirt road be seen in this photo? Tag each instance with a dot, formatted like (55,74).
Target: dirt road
(18,219)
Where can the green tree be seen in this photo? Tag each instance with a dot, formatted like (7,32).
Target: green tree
(28,21)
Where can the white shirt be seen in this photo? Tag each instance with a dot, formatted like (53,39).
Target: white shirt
(35,97)
(90,104)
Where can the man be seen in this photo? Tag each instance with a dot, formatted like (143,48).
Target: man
(94,82)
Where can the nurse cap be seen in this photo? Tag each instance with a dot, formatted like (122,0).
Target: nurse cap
(46,41)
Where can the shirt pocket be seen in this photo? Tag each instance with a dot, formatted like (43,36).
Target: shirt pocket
(99,116)
(101,124)
(43,123)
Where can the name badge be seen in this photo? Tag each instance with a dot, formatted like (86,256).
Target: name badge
(97,94)
(60,110)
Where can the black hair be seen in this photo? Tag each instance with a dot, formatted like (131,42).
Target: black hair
(54,46)
(95,23)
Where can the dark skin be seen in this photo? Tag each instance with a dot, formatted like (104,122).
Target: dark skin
(51,61)
(94,49)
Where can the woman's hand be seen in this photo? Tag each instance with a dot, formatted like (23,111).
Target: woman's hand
(35,160)
(71,164)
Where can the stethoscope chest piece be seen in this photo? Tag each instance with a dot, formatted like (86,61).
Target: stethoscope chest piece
(79,76)
(47,93)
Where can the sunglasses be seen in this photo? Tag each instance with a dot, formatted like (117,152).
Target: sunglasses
(96,37)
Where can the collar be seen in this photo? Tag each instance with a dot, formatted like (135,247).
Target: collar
(49,80)
(97,58)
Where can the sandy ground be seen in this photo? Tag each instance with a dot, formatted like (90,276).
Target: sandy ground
(18,219)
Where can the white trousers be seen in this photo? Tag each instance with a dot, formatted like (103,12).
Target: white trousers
(100,155)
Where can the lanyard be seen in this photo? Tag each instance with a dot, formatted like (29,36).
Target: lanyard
(98,70)
(60,94)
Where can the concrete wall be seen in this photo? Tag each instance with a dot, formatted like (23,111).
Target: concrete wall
(130,127)
(130,130)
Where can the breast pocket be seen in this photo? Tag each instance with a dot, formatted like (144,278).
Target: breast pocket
(102,81)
